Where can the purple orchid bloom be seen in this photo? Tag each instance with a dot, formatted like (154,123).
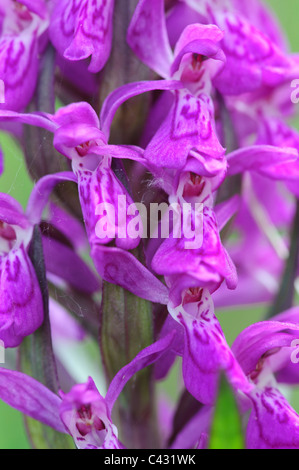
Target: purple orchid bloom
(253,58)
(264,349)
(83,412)
(203,347)
(197,58)
(22,26)
(78,136)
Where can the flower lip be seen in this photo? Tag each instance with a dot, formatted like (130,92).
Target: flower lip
(87,420)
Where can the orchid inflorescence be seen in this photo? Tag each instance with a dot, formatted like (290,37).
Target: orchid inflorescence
(122,105)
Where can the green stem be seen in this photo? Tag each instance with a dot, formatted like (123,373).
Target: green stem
(285,296)
(36,357)
(126,328)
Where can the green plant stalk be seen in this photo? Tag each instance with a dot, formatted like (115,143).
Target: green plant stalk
(285,296)
(126,328)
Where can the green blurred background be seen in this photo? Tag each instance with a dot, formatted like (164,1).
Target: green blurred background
(17,183)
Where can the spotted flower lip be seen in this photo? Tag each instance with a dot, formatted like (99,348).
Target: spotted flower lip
(204,350)
(205,265)
(21,308)
(85,415)
(22,27)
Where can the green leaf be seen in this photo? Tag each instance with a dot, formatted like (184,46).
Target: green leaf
(226,429)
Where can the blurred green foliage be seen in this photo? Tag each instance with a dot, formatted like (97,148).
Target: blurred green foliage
(17,183)
(226,430)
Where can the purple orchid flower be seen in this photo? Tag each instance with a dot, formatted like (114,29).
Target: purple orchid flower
(197,58)
(21,302)
(253,58)
(258,352)
(82,29)
(204,348)
(262,350)
(22,26)
(21,308)
(78,136)
(83,412)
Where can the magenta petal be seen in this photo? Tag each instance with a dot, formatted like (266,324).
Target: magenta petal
(18,69)
(267,159)
(122,94)
(256,340)
(147,33)
(70,136)
(205,48)
(195,433)
(21,307)
(198,32)
(41,193)
(77,113)
(198,39)
(130,152)
(67,224)
(226,210)
(11,212)
(82,29)
(145,358)
(206,353)
(86,416)
(64,263)
(31,398)
(249,53)
(122,268)
(208,264)
(273,424)
(104,198)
